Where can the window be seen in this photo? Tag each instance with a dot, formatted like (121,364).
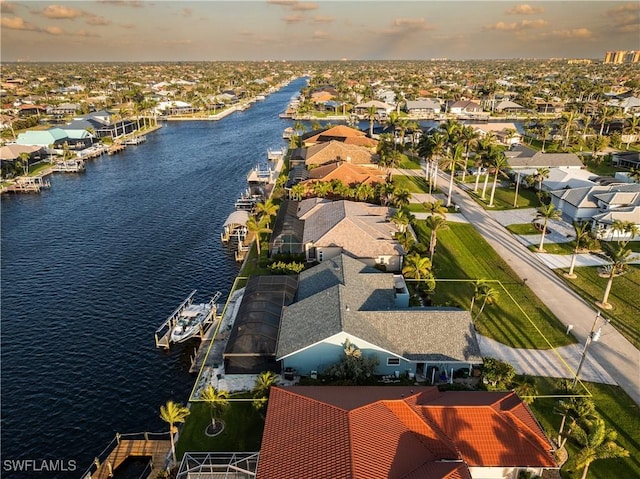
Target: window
(393,361)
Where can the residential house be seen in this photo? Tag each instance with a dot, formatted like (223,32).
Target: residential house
(600,205)
(523,158)
(423,107)
(345,299)
(332,151)
(505,133)
(626,159)
(382,109)
(347,173)
(361,230)
(508,106)
(341,133)
(64,109)
(464,107)
(549,107)
(29,109)
(629,105)
(10,153)
(55,137)
(174,107)
(409,432)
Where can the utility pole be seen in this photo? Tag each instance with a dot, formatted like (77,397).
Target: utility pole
(594,335)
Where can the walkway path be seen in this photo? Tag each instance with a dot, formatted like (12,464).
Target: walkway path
(613,352)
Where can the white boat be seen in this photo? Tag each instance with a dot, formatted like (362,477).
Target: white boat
(191,318)
(260,98)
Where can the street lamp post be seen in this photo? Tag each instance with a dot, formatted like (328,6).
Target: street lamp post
(594,335)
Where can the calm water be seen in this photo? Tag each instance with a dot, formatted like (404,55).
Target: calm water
(91,267)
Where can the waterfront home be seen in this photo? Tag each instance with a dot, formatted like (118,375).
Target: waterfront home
(55,137)
(64,109)
(508,106)
(174,107)
(382,109)
(345,299)
(400,432)
(505,133)
(9,154)
(341,133)
(347,173)
(362,230)
(463,107)
(601,205)
(527,160)
(423,107)
(329,152)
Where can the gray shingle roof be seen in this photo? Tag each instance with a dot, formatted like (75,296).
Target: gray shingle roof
(344,295)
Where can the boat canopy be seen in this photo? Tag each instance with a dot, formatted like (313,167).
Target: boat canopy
(188,313)
(238,217)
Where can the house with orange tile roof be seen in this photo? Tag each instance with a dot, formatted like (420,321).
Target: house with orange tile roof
(338,432)
(347,173)
(341,133)
(332,151)
(343,298)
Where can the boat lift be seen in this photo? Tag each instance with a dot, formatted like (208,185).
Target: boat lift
(163,333)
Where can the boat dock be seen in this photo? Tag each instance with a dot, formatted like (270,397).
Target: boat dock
(124,446)
(163,333)
(116,148)
(69,166)
(135,140)
(28,184)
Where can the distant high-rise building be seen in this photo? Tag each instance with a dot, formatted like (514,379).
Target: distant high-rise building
(622,56)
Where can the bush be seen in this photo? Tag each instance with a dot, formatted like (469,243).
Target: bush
(497,374)
(280,267)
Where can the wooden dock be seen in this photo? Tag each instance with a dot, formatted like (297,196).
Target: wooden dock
(116,148)
(157,450)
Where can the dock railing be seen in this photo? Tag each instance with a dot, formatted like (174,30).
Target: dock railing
(163,332)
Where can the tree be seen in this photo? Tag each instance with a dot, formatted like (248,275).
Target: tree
(477,286)
(401,219)
(418,267)
(597,144)
(488,295)
(266,210)
(401,197)
(540,175)
(596,442)
(24,162)
(526,389)
(435,223)
(573,408)
(297,192)
(451,161)
(498,163)
(619,254)
(321,188)
(498,374)
(405,239)
(217,401)
(468,137)
(372,114)
(582,233)
(546,213)
(173,413)
(353,366)
(632,130)
(435,207)
(262,388)
(634,174)
(257,227)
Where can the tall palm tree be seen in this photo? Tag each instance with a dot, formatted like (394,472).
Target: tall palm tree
(468,137)
(582,233)
(419,268)
(632,130)
(401,197)
(619,255)
(596,442)
(257,227)
(217,401)
(540,175)
(477,286)
(435,223)
(435,207)
(173,413)
(372,113)
(401,219)
(405,238)
(266,210)
(451,161)
(498,163)
(483,148)
(488,295)
(546,213)
(576,408)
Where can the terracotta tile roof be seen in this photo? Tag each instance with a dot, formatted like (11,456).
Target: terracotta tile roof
(389,432)
(347,173)
(341,133)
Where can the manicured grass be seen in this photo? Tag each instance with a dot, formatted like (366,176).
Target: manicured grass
(523,229)
(625,315)
(503,198)
(463,254)
(555,248)
(602,168)
(414,184)
(410,163)
(36,169)
(619,412)
(243,427)
(416,208)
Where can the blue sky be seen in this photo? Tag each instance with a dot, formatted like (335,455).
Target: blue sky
(157,30)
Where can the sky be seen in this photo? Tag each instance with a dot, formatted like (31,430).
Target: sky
(157,30)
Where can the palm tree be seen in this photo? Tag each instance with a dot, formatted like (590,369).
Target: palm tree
(540,175)
(266,210)
(217,401)
(321,188)
(173,413)
(417,267)
(498,163)
(575,408)
(468,137)
(263,384)
(582,233)
(483,148)
(526,389)
(257,227)
(401,197)
(364,192)
(489,295)
(385,192)
(405,238)
(435,207)
(546,213)
(634,174)
(451,161)
(619,254)
(24,162)
(435,223)
(401,219)
(297,192)
(597,442)
(372,113)
(477,286)
(632,129)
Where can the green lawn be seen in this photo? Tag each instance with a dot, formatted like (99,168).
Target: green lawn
(242,431)
(410,163)
(414,184)
(625,315)
(416,208)
(503,198)
(602,168)
(519,319)
(555,248)
(619,412)
(523,229)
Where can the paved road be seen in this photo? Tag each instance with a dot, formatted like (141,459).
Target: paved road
(613,352)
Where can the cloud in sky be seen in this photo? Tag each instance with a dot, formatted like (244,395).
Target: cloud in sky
(124,3)
(6,7)
(293,18)
(320,35)
(61,12)
(626,18)
(524,9)
(98,21)
(53,30)
(322,19)
(517,26)
(303,6)
(16,23)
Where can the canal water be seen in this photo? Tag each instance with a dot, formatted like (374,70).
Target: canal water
(92,266)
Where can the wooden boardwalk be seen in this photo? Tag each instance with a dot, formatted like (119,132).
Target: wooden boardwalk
(156,449)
